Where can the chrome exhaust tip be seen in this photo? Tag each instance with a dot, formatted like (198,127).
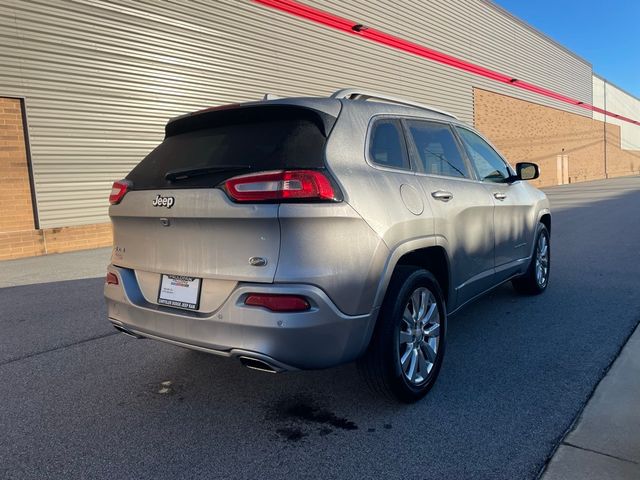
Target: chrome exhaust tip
(121,329)
(256,364)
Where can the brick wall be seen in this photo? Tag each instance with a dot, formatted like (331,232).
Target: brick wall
(18,236)
(620,162)
(29,243)
(525,131)
(15,190)
(17,227)
(82,237)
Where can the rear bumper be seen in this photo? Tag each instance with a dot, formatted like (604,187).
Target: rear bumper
(319,338)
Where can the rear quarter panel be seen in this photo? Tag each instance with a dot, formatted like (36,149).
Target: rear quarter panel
(332,247)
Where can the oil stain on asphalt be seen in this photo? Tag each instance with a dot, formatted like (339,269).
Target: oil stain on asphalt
(304,417)
(291,434)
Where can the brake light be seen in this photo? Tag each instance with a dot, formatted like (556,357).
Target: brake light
(112,279)
(281,185)
(118,191)
(278,302)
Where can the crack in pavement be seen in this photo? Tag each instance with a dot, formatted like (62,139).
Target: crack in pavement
(622,459)
(61,347)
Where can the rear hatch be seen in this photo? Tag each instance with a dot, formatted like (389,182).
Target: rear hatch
(175,216)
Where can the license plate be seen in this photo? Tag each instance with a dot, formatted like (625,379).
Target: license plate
(179,291)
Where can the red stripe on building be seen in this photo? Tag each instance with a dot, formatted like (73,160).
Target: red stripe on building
(348,26)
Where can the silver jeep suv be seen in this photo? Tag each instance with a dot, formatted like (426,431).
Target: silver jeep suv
(302,233)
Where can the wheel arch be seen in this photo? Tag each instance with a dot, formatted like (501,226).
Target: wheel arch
(426,253)
(545,219)
(433,259)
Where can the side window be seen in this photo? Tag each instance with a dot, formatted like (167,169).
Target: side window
(387,147)
(437,149)
(488,164)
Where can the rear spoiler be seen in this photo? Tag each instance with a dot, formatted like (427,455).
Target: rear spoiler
(239,113)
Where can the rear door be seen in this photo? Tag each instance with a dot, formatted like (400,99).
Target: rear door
(462,207)
(177,220)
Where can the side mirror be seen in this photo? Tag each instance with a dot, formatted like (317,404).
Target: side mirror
(527,171)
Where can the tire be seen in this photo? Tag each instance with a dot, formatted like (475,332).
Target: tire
(536,278)
(393,341)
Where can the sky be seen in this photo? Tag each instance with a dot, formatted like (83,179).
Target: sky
(605,33)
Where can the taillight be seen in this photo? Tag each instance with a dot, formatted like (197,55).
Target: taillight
(278,302)
(118,191)
(281,185)
(112,279)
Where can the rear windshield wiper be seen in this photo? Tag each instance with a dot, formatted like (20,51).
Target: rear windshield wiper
(184,173)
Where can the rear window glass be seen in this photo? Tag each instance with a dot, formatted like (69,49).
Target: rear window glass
(387,147)
(230,144)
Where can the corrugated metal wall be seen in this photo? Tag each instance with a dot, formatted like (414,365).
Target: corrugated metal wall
(101,78)
(622,103)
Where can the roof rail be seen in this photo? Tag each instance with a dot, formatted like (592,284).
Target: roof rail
(361,94)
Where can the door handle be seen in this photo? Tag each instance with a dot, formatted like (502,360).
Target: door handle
(442,195)
(500,195)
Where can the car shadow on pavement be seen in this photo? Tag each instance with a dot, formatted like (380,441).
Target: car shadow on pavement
(297,405)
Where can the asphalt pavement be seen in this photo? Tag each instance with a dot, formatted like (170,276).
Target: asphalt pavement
(79,401)
(605,441)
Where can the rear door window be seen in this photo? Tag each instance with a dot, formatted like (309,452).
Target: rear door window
(437,149)
(386,145)
(205,151)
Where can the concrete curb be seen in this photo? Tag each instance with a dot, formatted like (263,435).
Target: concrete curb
(604,442)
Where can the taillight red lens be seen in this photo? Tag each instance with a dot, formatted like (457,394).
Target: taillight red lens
(278,302)
(118,191)
(281,185)
(112,279)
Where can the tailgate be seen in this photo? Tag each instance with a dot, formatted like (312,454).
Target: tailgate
(202,234)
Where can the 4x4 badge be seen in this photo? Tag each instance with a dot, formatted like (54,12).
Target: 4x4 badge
(161,201)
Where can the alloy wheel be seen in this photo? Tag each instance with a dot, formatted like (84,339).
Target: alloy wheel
(542,260)
(419,337)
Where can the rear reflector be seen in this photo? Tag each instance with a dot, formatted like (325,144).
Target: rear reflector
(112,279)
(281,185)
(118,191)
(278,303)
